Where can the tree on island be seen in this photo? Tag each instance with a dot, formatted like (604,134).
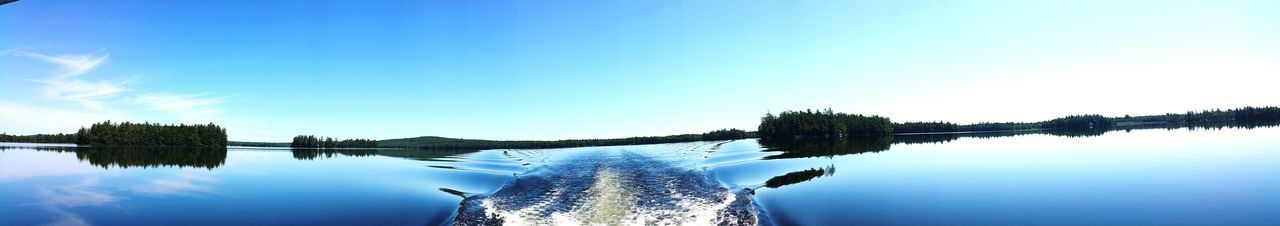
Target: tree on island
(822,124)
(309,141)
(148,134)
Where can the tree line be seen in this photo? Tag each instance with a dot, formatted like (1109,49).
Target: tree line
(1256,115)
(998,126)
(1079,122)
(821,124)
(149,134)
(1242,117)
(1073,122)
(726,134)
(257,144)
(443,143)
(39,138)
(925,127)
(825,124)
(309,141)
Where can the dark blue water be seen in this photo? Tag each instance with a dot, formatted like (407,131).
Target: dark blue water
(1142,177)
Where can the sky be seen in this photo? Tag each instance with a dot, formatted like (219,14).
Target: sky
(269,70)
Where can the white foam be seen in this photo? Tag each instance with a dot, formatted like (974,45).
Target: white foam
(610,200)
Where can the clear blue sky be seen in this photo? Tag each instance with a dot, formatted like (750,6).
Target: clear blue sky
(269,70)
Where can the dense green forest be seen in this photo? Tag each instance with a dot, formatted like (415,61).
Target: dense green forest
(39,138)
(998,126)
(925,127)
(826,125)
(819,125)
(148,134)
(1074,122)
(1246,116)
(726,134)
(309,141)
(1079,122)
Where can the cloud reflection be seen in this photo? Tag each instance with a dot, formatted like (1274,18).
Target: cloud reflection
(60,199)
(183,183)
(20,165)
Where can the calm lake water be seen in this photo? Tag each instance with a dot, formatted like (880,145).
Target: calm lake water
(1141,177)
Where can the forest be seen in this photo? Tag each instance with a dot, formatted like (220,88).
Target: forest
(998,126)
(821,125)
(1246,116)
(785,126)
(1079,122)
(148,134)
(309,141)
(39,138)
(828,125)
(1074,122)
(925,127)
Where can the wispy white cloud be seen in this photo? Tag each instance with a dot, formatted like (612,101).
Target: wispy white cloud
(197,108)
(19,118)
(67,82)
(71,65)
(73,81)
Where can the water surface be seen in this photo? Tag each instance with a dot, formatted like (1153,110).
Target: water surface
(1145,177)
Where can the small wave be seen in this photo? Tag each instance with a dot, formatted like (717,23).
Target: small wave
(610,188)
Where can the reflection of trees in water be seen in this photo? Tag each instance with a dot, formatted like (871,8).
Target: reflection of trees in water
(873,144)
(948,137)
(460,194)
(145,157)
(1256,124)
(1077,133)
(1222,125)
(803,149)
(424,155)
(312,154)
(42,148)
(208,158)
(925,138)
(799,176)
(859,145)
(1210,125)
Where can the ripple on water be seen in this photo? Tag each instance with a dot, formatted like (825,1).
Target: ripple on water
(610,187)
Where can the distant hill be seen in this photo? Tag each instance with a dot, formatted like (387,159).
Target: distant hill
(435,142)
(414,142)
(445,143)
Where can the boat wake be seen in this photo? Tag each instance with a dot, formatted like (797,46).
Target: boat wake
(610,188)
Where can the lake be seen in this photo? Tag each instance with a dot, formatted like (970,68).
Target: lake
(1141,177)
